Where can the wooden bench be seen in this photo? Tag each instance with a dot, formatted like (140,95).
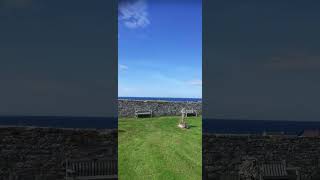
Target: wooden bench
(142,112)
(91,169)
(190,112)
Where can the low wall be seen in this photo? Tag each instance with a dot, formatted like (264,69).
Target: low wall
(40,153)
(225,155)
(126,108)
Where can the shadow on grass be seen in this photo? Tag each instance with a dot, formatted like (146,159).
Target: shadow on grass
(192,126)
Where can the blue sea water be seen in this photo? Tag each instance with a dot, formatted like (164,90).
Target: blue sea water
(60,121)
(257,126)
(163,99)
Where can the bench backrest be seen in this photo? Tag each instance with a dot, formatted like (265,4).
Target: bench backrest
(190,111)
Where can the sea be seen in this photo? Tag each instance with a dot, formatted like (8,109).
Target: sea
(238,126)
(163,99)
(60,121)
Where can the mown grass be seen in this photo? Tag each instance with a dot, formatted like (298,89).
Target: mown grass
(155,148)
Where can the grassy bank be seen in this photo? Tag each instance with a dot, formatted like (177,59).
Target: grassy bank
(155,148)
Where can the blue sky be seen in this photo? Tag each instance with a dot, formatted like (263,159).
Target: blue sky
(160,48)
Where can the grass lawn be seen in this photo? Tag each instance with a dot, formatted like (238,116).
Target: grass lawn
(155,148)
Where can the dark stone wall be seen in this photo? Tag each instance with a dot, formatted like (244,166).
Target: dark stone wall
(40,153)
(126,108)
(224,155)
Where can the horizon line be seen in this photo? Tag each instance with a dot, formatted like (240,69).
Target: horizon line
(158,97)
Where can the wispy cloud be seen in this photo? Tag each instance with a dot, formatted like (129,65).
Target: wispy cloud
(195,82)
(133,14)
(123,67)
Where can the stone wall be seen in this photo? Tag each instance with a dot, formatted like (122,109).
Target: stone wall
(41,153)
(224,155)
(126,108)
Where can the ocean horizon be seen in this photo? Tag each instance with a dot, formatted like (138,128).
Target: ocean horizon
(240,126)
(171,99)
(83,122)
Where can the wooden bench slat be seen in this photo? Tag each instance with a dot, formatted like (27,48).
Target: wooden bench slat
(92,169)
(142,112)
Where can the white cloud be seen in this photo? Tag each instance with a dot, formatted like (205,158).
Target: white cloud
(134,14)
(195,82)
(123,67)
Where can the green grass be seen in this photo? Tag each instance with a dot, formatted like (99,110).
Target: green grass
(155,148)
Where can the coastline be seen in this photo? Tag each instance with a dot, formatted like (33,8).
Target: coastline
(72,122)
(240,126)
